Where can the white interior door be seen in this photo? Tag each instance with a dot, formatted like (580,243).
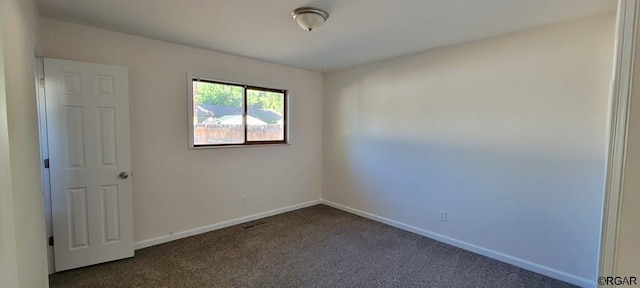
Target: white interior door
(89,162)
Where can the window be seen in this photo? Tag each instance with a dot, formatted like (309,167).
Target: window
(236,114)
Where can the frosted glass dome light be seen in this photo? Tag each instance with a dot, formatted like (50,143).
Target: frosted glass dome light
(309,18)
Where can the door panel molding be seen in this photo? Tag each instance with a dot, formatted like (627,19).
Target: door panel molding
(87,116)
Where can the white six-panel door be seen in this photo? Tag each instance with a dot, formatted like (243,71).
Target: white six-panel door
(89,151)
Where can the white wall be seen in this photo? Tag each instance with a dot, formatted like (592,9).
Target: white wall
(174,188)
(506,134)
(8,256)
(23,193)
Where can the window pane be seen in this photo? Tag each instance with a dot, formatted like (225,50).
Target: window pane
(265,119)
(218,110)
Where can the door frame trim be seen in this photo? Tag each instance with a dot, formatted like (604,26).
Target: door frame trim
(44,154)
(621,88)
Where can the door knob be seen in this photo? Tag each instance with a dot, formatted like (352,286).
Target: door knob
(123,175)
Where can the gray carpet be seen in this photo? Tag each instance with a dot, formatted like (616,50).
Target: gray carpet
(313,247)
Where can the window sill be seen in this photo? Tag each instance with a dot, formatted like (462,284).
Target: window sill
(237,146)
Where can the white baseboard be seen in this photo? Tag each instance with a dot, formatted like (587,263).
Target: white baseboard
(220,225)
(553,273)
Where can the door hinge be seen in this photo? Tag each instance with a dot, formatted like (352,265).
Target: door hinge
(51,241)
(46,163)
(41,81)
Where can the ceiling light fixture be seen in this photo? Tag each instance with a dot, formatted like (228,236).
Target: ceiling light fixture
(309,18)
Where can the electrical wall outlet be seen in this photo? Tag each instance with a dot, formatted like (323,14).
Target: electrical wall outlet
(443,216)
(243,200)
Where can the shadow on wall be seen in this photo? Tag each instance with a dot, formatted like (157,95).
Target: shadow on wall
(508,135)
(517,203)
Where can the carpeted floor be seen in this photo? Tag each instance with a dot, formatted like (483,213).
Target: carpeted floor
(313,247)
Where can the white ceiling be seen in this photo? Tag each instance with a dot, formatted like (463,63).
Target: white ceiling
(358,31)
